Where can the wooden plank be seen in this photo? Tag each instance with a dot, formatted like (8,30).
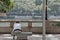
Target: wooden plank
(3,20)
(29,27)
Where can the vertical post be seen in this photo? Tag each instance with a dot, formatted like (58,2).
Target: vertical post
(30,26)
(44,12)
(11,24)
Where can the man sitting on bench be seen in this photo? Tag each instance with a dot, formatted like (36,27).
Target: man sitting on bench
(17,26)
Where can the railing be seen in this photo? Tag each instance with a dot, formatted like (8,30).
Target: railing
(49,28)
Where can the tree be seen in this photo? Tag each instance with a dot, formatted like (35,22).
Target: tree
(54,6)
(5,5)
(29,5)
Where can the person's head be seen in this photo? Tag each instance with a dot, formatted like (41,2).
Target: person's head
(17,22)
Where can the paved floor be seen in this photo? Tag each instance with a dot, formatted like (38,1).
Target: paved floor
(5,37)
(49,37)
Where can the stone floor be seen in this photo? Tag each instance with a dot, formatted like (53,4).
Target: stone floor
(6,37)
(9,37)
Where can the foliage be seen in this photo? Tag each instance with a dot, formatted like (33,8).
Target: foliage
(54,6)
(5,5)
(29,5)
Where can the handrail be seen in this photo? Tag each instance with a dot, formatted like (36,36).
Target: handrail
(20,20)
(3,20)
(48,26)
